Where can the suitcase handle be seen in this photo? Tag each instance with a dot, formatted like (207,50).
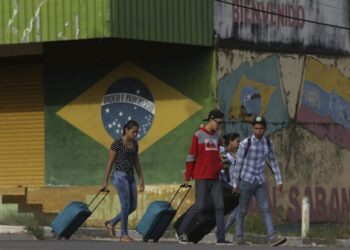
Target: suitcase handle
(106,191)
(183,198)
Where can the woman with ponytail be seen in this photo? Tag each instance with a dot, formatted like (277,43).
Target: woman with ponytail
(123,157)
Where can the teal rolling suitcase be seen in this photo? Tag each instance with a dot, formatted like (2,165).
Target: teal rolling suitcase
(72,216)
(158,217)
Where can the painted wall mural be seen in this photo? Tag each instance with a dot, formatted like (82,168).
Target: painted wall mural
(253,90)
(127,99)
(324,103)
(306,102)
(92,88)
(128,92)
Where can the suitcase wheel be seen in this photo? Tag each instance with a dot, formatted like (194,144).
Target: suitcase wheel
(155,240)
(145,240)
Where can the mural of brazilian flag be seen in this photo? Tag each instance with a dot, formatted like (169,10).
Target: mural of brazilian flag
(93,88)
(127,99)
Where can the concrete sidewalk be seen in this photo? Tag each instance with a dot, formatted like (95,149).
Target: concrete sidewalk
(20,233)
(15,233)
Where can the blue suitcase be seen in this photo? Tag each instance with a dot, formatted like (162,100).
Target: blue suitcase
(72,216)
(158,217)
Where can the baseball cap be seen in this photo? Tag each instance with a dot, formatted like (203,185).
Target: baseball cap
(215,114)
(259,120)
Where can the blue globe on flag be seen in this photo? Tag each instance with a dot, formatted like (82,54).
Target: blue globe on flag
(127,99)
(250,101)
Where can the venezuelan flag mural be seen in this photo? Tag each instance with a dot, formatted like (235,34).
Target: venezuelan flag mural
(324,107)
(306,102)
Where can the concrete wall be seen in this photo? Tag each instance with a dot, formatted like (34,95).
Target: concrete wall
(283,25)
(304,98)
(306,102)
(77,76)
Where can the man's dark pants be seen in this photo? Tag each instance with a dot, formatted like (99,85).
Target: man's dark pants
(204,189)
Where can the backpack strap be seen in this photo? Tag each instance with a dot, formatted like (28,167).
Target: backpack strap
(245,154)
(250,143)
(247,149)
(268,143)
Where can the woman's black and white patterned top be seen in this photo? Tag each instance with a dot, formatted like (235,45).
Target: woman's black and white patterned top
(125,159)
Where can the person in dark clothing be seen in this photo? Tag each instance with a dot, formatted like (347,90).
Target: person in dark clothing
(204,164)
(231,142)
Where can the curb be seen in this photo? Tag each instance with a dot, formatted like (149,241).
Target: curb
(342,243)
(14,233)
(19,233)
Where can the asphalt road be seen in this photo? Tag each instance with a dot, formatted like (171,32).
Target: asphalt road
(109,245)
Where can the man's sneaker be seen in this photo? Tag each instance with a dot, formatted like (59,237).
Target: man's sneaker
(241,242)
(277,241)
(182,238)
(223,242)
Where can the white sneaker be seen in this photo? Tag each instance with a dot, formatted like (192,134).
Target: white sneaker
(182,238)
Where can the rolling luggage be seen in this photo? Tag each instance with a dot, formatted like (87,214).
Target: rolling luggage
(204,222)
(158,217)
(72,216)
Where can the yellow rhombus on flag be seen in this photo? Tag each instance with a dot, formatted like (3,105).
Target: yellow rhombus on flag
(171,107)
(265,91)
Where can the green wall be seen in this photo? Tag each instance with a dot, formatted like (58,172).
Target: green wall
(70,68)
(176,21)
(24,21)
(173,21)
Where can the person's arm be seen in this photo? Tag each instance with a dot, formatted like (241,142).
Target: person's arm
(140,173)
(108,170)
(239,165)
(275,168)
(191,159)
(231,171)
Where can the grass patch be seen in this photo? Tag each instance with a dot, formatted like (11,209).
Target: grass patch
(254,224)
(329,231)
(31,222)
(14,218)
(35,230)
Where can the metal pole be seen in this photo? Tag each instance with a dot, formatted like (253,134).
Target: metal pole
(305,217)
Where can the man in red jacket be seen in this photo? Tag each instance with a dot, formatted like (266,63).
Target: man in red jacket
(203,164)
